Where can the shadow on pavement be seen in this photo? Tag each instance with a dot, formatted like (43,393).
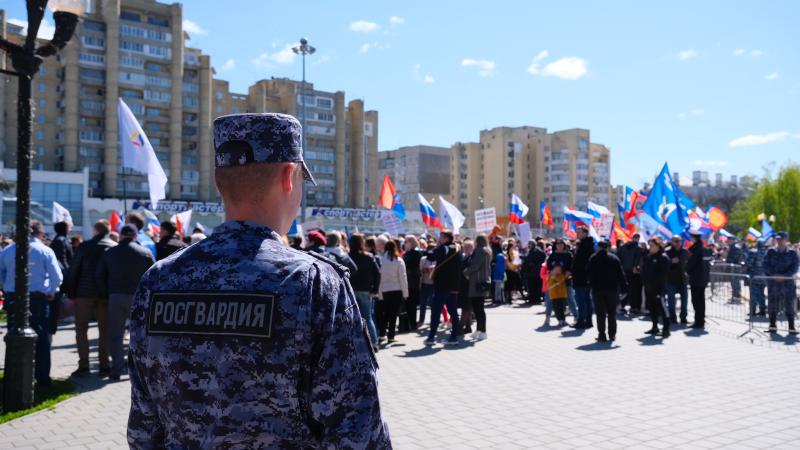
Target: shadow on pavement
(790,339)
(424,351)
(573,333)
(650,340)
(695,332)
(598,346)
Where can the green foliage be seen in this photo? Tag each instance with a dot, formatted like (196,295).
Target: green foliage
(6,186)
(43,398)
(778,196)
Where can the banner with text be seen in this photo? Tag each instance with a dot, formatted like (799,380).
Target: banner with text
(485,220)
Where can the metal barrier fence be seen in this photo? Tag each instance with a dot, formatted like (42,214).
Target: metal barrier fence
(737,297)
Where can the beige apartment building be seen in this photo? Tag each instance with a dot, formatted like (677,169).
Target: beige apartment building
(422,169)
(562,168)
(136,50)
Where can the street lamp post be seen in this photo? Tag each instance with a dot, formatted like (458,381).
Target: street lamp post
(26,59)
(303,49)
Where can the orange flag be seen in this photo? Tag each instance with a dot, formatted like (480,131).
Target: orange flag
(386,198)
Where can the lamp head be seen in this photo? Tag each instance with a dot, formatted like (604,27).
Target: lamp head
(303,41)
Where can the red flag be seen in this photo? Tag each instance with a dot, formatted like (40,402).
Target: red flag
(115,221)
(637,200)
(386,198)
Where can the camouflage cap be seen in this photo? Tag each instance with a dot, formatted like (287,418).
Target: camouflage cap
(242,139)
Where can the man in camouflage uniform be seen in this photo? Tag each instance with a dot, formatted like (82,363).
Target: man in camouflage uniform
(781,264)
(755,269)
(242,342)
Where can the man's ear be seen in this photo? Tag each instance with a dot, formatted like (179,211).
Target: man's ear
(287,177)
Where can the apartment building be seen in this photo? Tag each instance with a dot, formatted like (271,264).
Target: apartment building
(562,168)
(136,50)
(417,169)
(341,139)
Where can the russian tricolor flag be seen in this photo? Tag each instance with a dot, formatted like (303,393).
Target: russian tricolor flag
(518,210)
(577,218)
(429,216)
(753,234)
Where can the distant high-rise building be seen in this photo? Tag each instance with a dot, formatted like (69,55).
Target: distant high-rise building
(562,168)
(137,50)
(420,169)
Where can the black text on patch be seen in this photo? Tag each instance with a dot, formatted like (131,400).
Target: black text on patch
(241,314)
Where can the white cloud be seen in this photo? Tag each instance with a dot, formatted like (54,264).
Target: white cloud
(569,68)
(756,53)
(419,76)
(773,76)
(283,56)
(363,26)
(739,52)
(46,30)
(712,163)
(692,113)
(397,20)
(373,46)
(193,28)
(230,64)
(485,66)
(758,139)
(687,54)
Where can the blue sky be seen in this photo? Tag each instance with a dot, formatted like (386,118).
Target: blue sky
(711,85)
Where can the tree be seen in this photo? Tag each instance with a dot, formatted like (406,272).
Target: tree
(778,196)
(5,186)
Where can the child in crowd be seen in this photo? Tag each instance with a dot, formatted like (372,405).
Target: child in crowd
(544,274)
(557,284)
(498,276)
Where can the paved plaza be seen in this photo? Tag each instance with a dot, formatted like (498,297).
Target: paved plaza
(524,387)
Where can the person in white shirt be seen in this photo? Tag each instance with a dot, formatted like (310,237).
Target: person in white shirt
(393,289)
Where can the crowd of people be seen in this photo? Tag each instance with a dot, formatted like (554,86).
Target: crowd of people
(94,279)
(398,280)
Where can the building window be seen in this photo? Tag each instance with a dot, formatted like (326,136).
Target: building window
(40,86)
(160,21)
(159,52)
(39,135)
(128,60)
(40,119)
(137,47)
(93,41)
(127,15)
(128,30)
(91,25)
(153,67)
(41,103)
(40,151)
(325,103)
(92,58)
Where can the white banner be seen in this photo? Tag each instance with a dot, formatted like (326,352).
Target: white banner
(485,220)
(394,226)
(604,225)
(524,233)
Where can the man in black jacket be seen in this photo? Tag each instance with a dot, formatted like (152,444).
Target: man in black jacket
(117,276)
(655,270)
(607,279)
(580,278)
(532,264)
(698,267)
(631,257)
(169,241)
(83,288)
(63,250)
(446,278)
(676,282)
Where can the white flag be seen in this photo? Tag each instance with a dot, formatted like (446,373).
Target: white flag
(182,221)
(451,216)
(61,214)
(138,154)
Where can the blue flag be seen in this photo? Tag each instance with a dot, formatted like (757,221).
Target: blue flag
(766,231)
(398,208)
(666,205)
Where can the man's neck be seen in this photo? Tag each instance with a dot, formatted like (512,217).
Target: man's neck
(259,216)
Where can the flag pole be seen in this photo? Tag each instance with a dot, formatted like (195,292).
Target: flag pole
(124,192)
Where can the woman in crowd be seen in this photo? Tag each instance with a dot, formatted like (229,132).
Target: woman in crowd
(464,302)
(513,267)
(366,283)
(393,288)
(479,275)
